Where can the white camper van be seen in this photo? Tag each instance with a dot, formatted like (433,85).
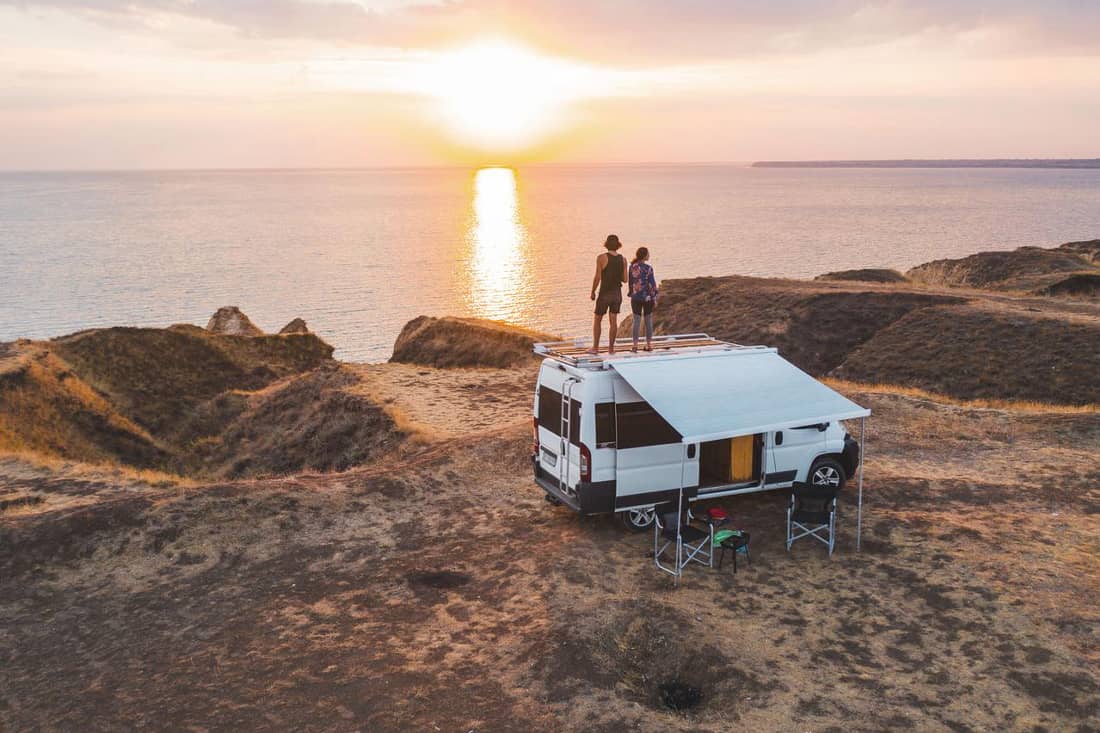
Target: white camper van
(709,418)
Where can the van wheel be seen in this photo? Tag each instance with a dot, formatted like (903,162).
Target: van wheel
(827,472)
(639,520)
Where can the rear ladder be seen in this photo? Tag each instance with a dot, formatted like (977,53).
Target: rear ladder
(566,434)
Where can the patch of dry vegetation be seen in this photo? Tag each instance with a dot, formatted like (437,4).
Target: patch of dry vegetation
(47,409)
(1082,285)
(311,422)
(464,342)
(871,275)
(157,376)
(815,325)
(969,348)
(985,351)
(1023,269)
(1017,406)
(186,401)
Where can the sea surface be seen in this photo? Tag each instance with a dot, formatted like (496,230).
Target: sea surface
(357,253)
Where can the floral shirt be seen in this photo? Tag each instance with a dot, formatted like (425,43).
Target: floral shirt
(641,284)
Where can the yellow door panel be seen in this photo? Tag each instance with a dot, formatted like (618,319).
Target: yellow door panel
(742,451)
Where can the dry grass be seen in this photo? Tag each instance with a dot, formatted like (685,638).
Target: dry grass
(814,324)
(985,350)
(434,404)
(309,422)
(972,346)
(464,342)
(178,400)
(1027,407)
(873,275)
(45,408)
(84,470)
(1021,269)
(157,376)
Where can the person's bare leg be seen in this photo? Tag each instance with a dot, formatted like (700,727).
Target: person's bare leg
(595,334)
(613,331)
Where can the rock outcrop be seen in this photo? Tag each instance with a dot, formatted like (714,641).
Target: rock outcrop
(295,326)
(1026,269)
(464,342)
(869,275)
(230,321)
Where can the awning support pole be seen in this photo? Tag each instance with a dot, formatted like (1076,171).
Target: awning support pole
(679,519)
(862,462)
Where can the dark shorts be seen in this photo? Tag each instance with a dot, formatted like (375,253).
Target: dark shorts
(609,301)
(639,307)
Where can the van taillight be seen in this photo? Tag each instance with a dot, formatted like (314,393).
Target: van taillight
(586,463)
(535,448)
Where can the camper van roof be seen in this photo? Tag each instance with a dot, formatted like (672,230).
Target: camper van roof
(575,352)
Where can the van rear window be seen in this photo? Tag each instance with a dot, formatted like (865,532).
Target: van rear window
(550,414)
(639,425)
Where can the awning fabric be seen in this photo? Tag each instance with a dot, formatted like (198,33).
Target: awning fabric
(716,396)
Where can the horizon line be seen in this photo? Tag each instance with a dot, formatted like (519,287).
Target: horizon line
(503,164)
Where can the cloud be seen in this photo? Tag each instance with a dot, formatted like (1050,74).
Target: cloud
(629,32)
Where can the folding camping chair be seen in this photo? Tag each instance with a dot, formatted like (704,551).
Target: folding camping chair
(693,544)
(812,513)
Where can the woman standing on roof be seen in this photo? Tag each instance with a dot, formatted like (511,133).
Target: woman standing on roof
(642,287)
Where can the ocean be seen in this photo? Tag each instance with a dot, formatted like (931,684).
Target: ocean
(358,253)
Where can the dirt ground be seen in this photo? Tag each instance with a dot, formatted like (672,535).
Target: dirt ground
(437,590)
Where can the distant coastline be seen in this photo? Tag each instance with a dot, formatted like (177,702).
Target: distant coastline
(1088,163)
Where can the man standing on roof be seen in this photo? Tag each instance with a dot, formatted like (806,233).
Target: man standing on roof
(609,279)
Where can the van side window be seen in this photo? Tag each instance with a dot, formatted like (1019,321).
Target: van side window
(550,414)
(605,424)
(639,425)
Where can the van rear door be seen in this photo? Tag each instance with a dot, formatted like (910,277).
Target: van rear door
(562,465)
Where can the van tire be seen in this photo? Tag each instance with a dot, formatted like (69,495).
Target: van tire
(639,520)
(827,471)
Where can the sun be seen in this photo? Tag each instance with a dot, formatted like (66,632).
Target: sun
(501,96)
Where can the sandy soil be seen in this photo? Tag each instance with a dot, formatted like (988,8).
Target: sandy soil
(449,403)
(438,591)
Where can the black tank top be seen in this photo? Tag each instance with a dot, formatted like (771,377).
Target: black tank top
(612,276)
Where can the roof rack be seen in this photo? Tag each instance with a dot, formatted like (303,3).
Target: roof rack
(575,351)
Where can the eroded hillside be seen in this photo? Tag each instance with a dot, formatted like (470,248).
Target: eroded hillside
(966,344)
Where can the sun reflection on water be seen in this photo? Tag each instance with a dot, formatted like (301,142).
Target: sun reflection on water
(500,280)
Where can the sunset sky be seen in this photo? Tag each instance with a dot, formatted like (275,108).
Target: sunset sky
(286,83)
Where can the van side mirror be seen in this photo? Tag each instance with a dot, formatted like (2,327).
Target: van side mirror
(779,437)
(691,450)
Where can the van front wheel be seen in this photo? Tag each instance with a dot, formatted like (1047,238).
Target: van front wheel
(827,472)
(639,520)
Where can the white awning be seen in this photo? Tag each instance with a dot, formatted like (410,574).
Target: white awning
(716,396)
